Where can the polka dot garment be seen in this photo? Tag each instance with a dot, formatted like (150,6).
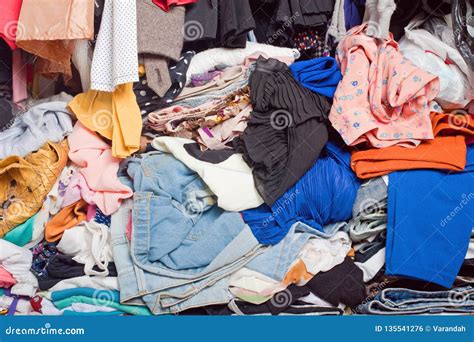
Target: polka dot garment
(115,58)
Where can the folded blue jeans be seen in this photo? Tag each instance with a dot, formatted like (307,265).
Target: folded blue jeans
(183,247)
(396,301)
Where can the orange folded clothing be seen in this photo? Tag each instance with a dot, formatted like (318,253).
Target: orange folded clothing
(69,216)
(447,151)
(452,124)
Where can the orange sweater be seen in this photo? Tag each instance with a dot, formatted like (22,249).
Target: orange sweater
(447,151)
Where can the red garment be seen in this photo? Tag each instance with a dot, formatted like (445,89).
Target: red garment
(165,5)
(35,303)
(9,15)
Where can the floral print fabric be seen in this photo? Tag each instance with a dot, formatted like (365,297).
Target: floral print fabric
(383,98)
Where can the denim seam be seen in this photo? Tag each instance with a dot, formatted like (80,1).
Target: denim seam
(252,254)
(229,269)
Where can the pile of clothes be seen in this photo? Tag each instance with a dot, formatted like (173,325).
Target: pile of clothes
(236,157)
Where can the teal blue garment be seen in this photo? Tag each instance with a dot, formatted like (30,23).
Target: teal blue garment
(105,295)
(133,310)
(99,313)
(23,233)
(2,292)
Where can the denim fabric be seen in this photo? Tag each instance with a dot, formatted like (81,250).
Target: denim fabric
(330,230)
(276,261)
(396,301)
(189,230)
(370,210)
(182,246)
(165,293)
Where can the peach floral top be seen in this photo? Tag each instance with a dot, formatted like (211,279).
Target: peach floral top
(383,98)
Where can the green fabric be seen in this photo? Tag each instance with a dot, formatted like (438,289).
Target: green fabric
(2,292)
(133,310)
(22,234)
(254,299)
(98,313)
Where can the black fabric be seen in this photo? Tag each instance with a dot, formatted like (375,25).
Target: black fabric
(467,268)
(369,249)
(404,13)
(235,20)
(98,10)
(6,110)
(147,99)
(279,303)
(343,283)
(62,267)
(212,23)
(6,105)
(298,308)
(278,21)
(286,131)
(286,302)
(5,64)
(262,12)
(210,156)
(200,22)
(309,13)
(407,9)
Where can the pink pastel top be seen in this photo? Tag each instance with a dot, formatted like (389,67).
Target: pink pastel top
(382,98)
(96,181)
(6,279)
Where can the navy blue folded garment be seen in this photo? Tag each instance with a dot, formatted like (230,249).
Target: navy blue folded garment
(430,220)
(320,75)
(325,194)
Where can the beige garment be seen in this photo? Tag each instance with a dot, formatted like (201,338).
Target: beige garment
(216,137)
(230,75)
(184,121)
(46,28)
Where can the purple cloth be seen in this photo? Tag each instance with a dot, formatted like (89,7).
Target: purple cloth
(198,80)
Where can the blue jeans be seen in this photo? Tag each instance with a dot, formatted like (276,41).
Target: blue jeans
(183,246)
(396,301)
(276,261)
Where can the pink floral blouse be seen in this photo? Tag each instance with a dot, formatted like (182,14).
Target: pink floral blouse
(382,98)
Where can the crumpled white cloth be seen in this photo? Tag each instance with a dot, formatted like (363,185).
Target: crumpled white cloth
(208,59)
(89,244)
(321,255)
(17,261)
